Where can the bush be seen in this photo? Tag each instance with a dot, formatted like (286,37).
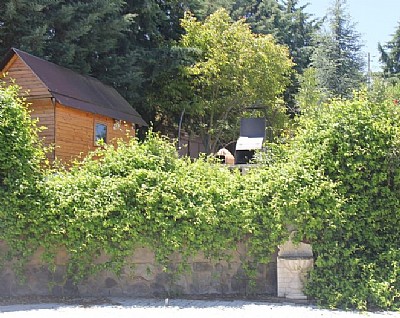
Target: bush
(339,185)
(20,149)
(21,157)
(141,194)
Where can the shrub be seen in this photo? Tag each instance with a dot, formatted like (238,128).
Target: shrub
(141,194)
(21,151)
(339,185)
(21,156)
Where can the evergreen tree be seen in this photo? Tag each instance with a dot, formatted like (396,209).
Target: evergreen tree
(390,55)
(24,24)
(84,35)
(337,56)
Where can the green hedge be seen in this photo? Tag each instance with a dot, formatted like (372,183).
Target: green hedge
(141,194)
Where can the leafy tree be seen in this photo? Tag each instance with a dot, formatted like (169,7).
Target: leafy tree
(234,69)
(390,55)
(290,25)
(337,57)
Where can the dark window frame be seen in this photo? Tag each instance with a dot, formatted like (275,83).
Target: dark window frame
(100,135)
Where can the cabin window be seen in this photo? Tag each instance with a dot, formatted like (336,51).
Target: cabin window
(100,134)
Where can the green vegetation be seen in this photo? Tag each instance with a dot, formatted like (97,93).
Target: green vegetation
(340,189)
(234,68)
(335,176)
(336,181)
(139,194)
(21,156)
(20,149)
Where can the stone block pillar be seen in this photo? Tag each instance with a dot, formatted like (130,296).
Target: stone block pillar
(293,264)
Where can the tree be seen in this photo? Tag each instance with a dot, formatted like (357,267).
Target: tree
(124,43)
(290,25)
(23,24)
(234,69)
(337,56)
(286,21)
(390,55)
(78,35)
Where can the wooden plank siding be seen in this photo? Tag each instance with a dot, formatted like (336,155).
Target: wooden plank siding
(69,131)
(75,132)
(30,84)
(43,110)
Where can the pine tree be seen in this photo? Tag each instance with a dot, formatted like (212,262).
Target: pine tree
(390,55)
(337,56)
(24,24)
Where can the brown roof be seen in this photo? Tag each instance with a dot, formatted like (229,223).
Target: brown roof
(79,91)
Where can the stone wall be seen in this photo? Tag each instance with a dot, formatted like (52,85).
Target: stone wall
(146,280)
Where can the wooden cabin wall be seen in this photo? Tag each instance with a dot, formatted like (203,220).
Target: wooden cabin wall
(75,132)
(30,84)
(37,96)
(70,131)
(43,111)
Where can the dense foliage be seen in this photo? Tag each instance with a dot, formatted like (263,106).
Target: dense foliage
(140,194)
(234,68)
(339,185)
(20,153)
(336,181)
(21,160)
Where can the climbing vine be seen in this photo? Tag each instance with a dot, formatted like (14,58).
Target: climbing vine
(134,195)
(339,185)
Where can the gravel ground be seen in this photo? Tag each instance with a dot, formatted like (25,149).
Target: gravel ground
(174,308)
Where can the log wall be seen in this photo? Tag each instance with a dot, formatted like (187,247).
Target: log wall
(43,111)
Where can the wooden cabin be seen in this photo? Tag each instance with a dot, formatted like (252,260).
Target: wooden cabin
(76,110)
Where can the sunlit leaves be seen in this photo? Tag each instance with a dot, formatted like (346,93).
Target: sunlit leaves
(234,69)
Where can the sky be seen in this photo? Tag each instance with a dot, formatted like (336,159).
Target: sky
(376,21)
